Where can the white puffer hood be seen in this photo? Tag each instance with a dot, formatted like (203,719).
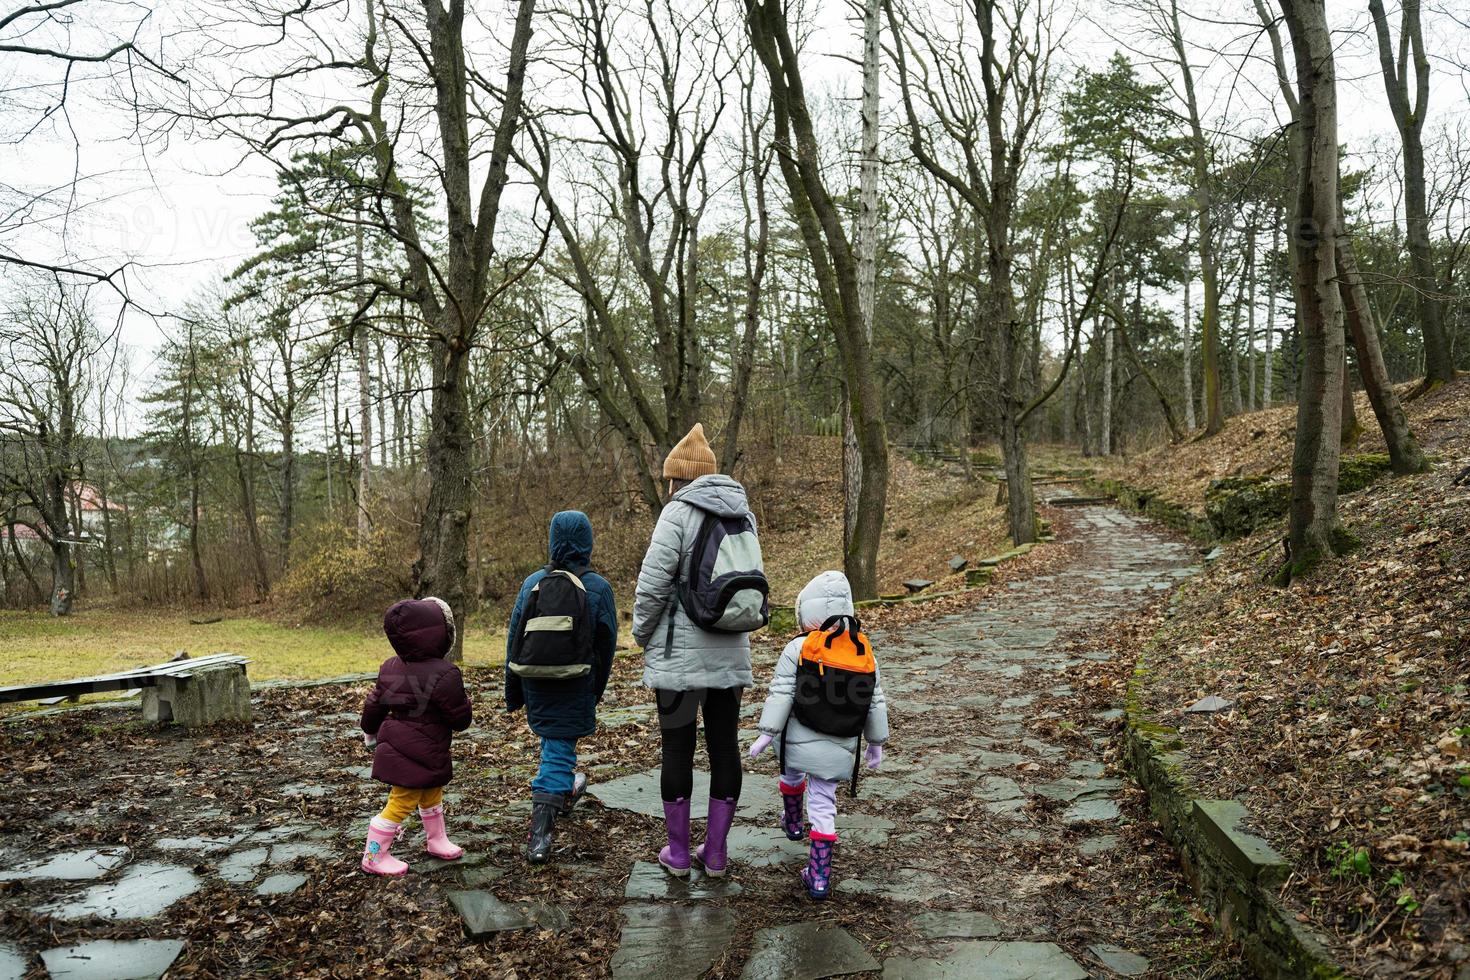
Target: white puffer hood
(825,596)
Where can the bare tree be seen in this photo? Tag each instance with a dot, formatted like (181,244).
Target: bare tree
(866,245)
(1403,67)
(835,268)
(984,114)
(654,101)
(755,168)
(1314,528)
(1403,449)
(464,146)
(59,52)
(50,344)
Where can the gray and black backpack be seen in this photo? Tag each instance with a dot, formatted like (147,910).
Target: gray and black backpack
(555,638)
(725,587)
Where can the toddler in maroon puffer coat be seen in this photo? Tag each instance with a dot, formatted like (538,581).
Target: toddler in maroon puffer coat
(410,718)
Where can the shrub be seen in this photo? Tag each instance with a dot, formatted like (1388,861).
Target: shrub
(337,578)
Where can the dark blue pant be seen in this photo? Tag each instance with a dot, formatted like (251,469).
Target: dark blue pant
(558,760)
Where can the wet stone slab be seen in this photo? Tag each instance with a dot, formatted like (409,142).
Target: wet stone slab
(806,951)
(671,942)
(12,963)
(1094,846)
(1067,790)
(763,847)
(649,881)
(987,961)
(910,886)
(240,867)
(280,884)
(203,844)
(957,925)
(484,915)
(141,892)
(1121,961)
(1090,811)
(639,793)
(85,865)
(106,959)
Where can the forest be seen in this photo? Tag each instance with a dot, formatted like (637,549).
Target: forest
(1116,352)
(511,256)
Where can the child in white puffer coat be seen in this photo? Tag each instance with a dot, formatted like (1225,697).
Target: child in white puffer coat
(813,762)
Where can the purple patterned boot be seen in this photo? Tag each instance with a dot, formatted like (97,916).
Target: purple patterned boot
(791,822)
(817,875)
(711,855)
(675,856)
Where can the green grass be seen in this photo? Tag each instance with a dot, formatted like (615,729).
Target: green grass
(103,641)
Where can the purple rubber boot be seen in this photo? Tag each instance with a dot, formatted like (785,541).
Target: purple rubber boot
(817,875)
(791,822)
(675,856)
(711,855)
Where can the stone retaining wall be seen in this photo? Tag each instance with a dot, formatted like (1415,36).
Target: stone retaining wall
(1235,873)
(1152,504)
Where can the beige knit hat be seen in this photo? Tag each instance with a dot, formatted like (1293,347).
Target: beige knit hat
(691,458)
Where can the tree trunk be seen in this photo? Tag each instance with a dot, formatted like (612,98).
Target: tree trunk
(835,271)
(1403,449)
(1250,318)
(1186,335)
(1209,262)
(1268,366)
(755,274)
(443,565)
(364,406)
(63,570)
(867,255)
(1409,116)
(1105,419)
(1351,428)
(1314,525)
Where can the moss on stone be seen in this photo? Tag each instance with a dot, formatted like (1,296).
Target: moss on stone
(1358,471)
(1237,505)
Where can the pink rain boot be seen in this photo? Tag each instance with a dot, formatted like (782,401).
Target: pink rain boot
(438,843)
(375,857)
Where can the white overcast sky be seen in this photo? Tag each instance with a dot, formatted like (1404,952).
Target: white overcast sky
(181,209)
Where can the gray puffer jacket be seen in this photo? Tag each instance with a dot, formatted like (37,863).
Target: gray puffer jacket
(689,658)
(816,754)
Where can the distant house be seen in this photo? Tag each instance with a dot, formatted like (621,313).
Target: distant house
(89,503)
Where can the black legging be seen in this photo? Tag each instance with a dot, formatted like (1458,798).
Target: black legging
(678,717)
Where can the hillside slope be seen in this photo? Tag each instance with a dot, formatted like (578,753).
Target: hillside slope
(1350,735)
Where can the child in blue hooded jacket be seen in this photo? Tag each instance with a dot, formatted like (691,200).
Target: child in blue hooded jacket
(561,711)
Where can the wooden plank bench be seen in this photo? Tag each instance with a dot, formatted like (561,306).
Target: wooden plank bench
(188,691)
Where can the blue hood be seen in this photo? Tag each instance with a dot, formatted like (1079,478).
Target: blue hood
(570,539)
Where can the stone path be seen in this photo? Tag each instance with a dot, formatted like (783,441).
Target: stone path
(967,777)
(995,842)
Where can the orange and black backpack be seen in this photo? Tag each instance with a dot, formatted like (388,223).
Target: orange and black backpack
(836,675)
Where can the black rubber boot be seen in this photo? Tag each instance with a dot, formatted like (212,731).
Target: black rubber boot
(544,810)
(579,790)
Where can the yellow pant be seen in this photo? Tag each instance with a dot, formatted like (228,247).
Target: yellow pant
(402,802)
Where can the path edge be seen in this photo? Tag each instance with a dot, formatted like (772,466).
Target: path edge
(1235,873)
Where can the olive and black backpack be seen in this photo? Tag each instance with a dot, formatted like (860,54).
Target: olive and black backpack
(555,638)
(725,587)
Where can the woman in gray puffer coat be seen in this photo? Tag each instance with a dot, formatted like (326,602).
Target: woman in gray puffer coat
(815,763)
(691,669)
